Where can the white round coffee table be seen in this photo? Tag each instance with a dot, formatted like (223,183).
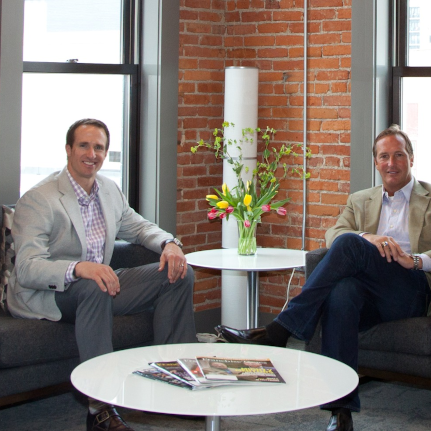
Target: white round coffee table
(311,380)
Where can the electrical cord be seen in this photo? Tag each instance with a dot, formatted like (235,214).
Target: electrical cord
(288,290)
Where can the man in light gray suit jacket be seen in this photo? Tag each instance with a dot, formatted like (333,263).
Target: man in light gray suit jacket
(64,232)
(377,269)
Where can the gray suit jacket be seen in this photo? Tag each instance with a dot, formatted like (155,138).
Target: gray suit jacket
(362,214)
(49,234)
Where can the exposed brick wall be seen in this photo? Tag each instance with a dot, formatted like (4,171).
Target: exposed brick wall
(267,34)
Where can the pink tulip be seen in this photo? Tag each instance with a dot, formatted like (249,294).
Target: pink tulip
(214,210)
(266,208)
(229,209)
(247,223)
(282,211)
(222,215)
(212,215)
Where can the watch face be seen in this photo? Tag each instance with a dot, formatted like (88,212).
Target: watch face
(178,242)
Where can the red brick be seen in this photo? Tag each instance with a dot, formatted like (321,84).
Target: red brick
(321,14)
(335,174)
(289,40)
(324,39)
(336,50)
(266,34)
(197,4)
(259,41)
(210,16)
(323,63)
(337,100)
(336,26)
(256,17)
(211,40)
(279,27)
(334,199)
(336,125)
(288,16)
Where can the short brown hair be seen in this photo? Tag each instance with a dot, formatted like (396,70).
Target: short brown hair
(70,136)
(392,130)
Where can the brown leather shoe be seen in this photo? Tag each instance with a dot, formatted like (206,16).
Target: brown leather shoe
(245,336)
(106,420)
(341,420)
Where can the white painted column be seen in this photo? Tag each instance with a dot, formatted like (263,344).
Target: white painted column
(240,108)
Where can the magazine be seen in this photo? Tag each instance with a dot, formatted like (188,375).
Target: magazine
(175,370)
(210,371)
(238,370)
(155,374)
(191,366)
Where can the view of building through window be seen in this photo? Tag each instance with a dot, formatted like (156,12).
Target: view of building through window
(69,31)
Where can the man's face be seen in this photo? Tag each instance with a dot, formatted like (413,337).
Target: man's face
(86,156)
(393,162)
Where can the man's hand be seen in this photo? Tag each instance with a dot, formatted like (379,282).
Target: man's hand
(390,249)
(103,275)
(177,264)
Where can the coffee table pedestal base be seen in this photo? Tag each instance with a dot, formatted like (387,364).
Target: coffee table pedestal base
(212,423)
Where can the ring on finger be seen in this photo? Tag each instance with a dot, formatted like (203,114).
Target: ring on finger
(384,244)
(181,265)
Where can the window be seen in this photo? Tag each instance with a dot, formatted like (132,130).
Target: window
(412,79)
(414,28)
(80,60)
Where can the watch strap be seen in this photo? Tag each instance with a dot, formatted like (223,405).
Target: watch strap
(415,262)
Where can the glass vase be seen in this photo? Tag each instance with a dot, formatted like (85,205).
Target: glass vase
(247,239)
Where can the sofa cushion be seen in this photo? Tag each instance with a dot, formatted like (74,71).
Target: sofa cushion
(7,251)
(32,341)
(411,336)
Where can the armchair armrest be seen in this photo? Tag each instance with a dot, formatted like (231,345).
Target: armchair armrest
(312,258)
(128,255)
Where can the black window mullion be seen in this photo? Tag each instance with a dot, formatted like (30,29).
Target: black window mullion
(403,32)
(91,68)
(128,31)
(134,153)
(412,72)
(396,97)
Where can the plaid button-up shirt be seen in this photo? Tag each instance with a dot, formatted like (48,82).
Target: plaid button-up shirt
(94,224)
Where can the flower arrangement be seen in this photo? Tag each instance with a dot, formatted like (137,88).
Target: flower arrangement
(247,202)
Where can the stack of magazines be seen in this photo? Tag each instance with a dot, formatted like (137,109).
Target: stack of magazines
(210,371)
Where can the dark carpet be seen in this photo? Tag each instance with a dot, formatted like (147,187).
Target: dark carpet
(386,406)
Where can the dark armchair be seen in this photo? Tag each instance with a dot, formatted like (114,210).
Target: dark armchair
(399,350)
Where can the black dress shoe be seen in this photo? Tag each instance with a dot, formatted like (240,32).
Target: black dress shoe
(106,420)
(341,420)
(245,336)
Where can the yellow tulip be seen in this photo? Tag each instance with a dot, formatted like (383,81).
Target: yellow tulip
(247,200)
(248,185)
(225,188)
(249,209)
(211,197)
(222,204)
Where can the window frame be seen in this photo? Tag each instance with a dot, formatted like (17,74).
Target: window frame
(401,69)
(129,66)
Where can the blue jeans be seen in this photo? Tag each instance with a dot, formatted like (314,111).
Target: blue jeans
(352,289)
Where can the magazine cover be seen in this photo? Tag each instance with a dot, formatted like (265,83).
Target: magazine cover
(154,374)
(174,369)
(243,370)
(191,366)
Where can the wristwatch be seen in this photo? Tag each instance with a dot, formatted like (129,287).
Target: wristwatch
(176,241)
(415,261)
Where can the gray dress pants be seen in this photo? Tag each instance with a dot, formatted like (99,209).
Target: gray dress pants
(142,288)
